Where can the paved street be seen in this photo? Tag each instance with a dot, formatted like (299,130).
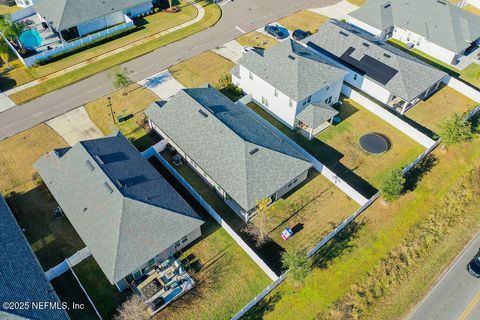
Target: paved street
(457,294)
(237,16)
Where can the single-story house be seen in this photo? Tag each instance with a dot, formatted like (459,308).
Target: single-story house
(437,27)
(72,19)
(22,279)
(124,210)
(382,71)
(294,84)
(20,3)
(232,149)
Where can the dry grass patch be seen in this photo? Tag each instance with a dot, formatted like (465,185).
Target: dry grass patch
(441,105)
(472,9)
(7,9)
(357,2)
(129,107)
(206,68)
(305,20)
(257,39)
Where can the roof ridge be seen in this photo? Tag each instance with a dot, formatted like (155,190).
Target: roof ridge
(114,275)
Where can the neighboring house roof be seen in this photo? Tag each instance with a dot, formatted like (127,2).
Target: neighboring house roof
(291,68)
(437,21)
(65,14)
(315,114)
(22,279)
(120,205)
(403,75)
(246,158)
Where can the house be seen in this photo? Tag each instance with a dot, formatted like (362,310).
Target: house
(21,3)
(292,83)
(230,147)
(22,279)
(71,19)
(382,71)
(53,27)
(126,213)
(436,27)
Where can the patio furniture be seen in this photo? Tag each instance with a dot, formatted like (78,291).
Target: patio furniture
(177,160)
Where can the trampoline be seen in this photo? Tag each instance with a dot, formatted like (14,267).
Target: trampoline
(374,143)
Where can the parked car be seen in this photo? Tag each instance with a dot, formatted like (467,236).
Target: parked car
(474,266)
(299,34)
(277,31)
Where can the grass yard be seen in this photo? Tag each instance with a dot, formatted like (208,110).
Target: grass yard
(357,2)
(439,106)
(338,148)
(472,9)
(382,228)
(212,15)
(471,74)
(206,68)
(257,39)
(227,279)
(129,106)
(305,20)
(52,239)
(104,295)
(311,211)
(146,27)
(4,10)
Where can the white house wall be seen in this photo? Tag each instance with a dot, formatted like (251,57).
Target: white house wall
(101,23)
(325,92)
(277,106)
(285,189)
(424,45)
(372,30)
(140,9)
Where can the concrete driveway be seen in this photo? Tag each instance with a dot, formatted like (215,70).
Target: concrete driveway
(231,50)
(163,84)
(337,11)
(75,126)
(5,102)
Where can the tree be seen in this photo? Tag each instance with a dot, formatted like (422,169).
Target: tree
(170,5)
(10,29)
(5,53)
(132,309)
(261,229)
(121,79)
(296,261)
(455,129)
(393,185)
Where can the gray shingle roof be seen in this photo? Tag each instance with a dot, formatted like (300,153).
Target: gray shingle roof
(244,157)
(291,68)
(65,14)
(411,77)
(315,114)
(122,208)
(439,22)
(21,276)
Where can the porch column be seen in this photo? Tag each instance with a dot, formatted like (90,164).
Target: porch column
(331,120)
(404,107)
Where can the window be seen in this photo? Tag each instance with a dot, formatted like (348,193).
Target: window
(275,92)
(328,100)
(137,274)
(307,101)
(355,76)
(184,239)
(290,103)
(250,75)
(265,101)
(328,88)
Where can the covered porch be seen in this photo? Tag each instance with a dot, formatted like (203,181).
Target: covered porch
(315,118)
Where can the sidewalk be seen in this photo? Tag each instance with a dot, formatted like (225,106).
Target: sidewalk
(200,15)
(338,11)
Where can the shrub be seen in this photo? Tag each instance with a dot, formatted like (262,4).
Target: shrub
(297,263)
(393,185)
(455,129)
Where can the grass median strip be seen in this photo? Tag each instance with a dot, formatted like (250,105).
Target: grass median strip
(212,15)
(305,20)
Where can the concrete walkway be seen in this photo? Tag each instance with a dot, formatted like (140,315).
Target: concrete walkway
(162,84)
(5,102)
(75,126)
(231,50)
(200,15)
(338,11)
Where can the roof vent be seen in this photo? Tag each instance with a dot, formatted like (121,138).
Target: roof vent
(343,33)
(386,55)
(365,45)
(203,113)
(107,186)
(85,209)
(90,166)
(291,57)
(388,5)
(99,159)
(442,2)
(252,152)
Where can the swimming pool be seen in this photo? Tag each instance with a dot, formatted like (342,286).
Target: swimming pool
(30,39)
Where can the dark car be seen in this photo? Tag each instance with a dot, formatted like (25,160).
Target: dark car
(474,266)
(277,31)
(299,34)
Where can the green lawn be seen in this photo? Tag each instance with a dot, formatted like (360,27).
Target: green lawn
(439,106)
(104,295)
(212,15)
(257,39)
(206,68)
(471,74)
(305,20)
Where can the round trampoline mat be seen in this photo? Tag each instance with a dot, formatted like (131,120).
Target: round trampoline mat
(374,143)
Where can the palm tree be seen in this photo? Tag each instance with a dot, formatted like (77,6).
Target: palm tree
(5,53)
(10,29)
